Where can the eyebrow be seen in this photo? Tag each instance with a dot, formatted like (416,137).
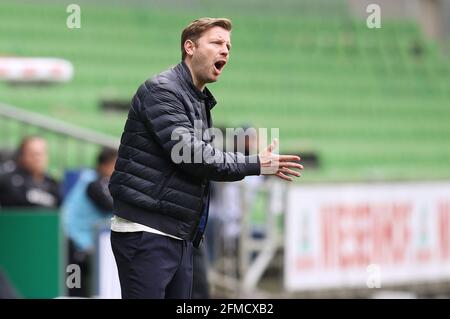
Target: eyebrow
(221,40)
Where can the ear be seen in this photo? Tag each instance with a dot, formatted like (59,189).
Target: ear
(189,47)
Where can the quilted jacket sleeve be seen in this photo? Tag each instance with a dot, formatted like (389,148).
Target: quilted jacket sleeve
(165,117)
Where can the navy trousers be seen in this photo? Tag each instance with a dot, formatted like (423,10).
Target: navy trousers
(152,266)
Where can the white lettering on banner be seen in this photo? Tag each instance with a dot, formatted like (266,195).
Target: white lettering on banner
(333,233)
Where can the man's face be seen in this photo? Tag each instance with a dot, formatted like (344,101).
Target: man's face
(210,54)
(34,156)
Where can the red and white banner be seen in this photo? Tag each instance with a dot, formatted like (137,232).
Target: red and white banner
(351,235)
(18,69)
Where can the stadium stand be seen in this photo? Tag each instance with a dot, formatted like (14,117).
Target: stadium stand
(372,104)
(363,104)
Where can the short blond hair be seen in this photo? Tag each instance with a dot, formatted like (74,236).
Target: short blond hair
(197,27)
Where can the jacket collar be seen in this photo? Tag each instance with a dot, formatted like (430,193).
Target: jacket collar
(185,74)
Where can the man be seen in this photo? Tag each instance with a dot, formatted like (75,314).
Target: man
(161,203)
(27,185)
(87,206)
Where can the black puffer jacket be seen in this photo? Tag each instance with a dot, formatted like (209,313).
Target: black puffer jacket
(149,186)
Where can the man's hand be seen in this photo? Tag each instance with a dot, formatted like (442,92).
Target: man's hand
(279,165)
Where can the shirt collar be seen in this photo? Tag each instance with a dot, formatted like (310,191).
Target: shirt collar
(204,95)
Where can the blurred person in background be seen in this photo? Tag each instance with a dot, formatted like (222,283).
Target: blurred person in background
(222,238)
(87,205)
(161,205)
(27,184)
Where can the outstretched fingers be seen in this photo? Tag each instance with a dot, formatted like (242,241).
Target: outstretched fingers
(291,165)
(290,172)
(283,158)
(283,176)
(272,146)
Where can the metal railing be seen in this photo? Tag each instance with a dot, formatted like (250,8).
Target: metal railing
(70,146)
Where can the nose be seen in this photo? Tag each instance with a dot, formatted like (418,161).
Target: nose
(224,51)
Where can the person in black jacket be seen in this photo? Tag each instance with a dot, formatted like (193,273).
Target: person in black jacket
(28,185)
(160,185)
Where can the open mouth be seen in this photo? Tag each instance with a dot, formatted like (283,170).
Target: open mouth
(219,65)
